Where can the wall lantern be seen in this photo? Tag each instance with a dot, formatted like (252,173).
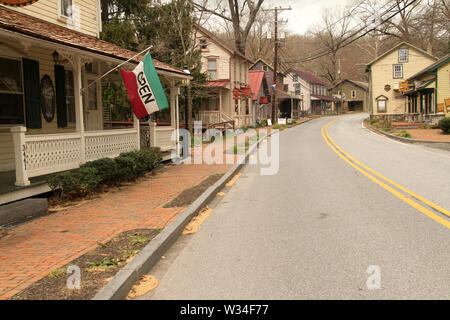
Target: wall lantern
(55,57)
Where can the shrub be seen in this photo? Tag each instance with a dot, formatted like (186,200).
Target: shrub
(444,125)
(126,166)
(107,169)
(404,134)
(77,182)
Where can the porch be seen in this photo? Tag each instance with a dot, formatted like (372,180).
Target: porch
(54,114)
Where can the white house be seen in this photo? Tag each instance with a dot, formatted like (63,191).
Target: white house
(51,115)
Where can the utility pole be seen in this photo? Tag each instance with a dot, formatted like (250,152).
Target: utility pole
(275,62)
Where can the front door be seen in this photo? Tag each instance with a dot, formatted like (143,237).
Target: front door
(92,106)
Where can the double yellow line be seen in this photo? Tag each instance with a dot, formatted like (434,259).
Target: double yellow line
(370,173)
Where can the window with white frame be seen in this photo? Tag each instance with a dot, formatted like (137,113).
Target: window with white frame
(70,97)
(295,78)
(398,71)
(403,55)
(297,88)
(11,92)
(66,8)
(212,69)
(265,68)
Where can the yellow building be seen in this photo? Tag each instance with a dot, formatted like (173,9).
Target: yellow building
(428,95)
(388,72)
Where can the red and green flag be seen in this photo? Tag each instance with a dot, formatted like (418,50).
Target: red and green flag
(144,88)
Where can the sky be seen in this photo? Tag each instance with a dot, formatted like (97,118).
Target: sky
(304,13)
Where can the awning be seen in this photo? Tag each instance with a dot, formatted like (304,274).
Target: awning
(30,26)
(319,97)
(223,83)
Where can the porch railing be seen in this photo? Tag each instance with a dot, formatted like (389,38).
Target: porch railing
(208,117)
(37,155)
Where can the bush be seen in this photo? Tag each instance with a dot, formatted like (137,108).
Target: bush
(78,182)
(106,168)
(126,167)
(444,125)
(404,134)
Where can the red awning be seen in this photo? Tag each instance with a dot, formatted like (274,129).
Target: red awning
(222,83)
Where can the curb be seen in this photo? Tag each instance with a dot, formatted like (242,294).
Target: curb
(394,137)
(123,281)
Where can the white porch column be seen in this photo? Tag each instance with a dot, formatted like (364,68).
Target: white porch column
(174,91)
(137,127)
(18,134)
(78,85)
(152,126)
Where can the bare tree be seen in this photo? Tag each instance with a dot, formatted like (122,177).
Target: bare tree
(241,14)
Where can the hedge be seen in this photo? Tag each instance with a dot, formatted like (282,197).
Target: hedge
(105,172)
(444,125)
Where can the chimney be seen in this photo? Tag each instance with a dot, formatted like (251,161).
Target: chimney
(430,49)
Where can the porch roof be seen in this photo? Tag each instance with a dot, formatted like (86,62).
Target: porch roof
(319,97)
(35,27)
(221,83)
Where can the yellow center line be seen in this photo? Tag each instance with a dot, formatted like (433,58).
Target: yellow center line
(399,195)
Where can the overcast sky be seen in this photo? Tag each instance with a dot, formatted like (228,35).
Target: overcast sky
(304,13)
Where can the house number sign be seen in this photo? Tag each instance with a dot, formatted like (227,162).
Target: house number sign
(17,3)
(47,98)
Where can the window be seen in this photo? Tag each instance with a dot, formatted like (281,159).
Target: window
(247,107)
(403,55)
(212,69)
(66,8)
(353,94)
(236,106)
(212,104)
(203,44)
(70,97)
(297,88)
(11,92)
(295,78)
(265,68)
(398,71)
(381,105)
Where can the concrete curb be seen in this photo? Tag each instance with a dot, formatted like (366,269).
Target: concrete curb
(394,137)
(121,284)
(124,280)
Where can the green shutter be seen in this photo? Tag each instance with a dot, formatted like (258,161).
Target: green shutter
(31,92)
(61,105)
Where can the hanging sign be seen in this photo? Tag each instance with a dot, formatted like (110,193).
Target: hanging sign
(17,3)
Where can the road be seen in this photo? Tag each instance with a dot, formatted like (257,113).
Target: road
(313,230)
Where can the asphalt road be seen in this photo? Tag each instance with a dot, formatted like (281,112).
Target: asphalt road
(313,230)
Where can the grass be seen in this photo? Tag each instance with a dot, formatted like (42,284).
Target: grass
(57,272)
(106,263)
(405,134)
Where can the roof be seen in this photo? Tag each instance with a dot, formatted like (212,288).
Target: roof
(308,77)
(221,83)
(267,64)
(403,43)
(361,84)
(221,43)
(322,97)
(35,27)
(433,67)
(256,79)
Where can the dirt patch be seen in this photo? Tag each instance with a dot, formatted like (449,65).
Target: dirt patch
(97,268)
(427,134)
(188,196)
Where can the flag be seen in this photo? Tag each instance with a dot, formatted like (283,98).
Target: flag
(274,86)
(144,88)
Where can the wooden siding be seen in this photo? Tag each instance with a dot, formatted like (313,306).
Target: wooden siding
(47,10)
(46,67)
(382,75)
(443,85)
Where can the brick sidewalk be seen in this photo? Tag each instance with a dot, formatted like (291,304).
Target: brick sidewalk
(30,251)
